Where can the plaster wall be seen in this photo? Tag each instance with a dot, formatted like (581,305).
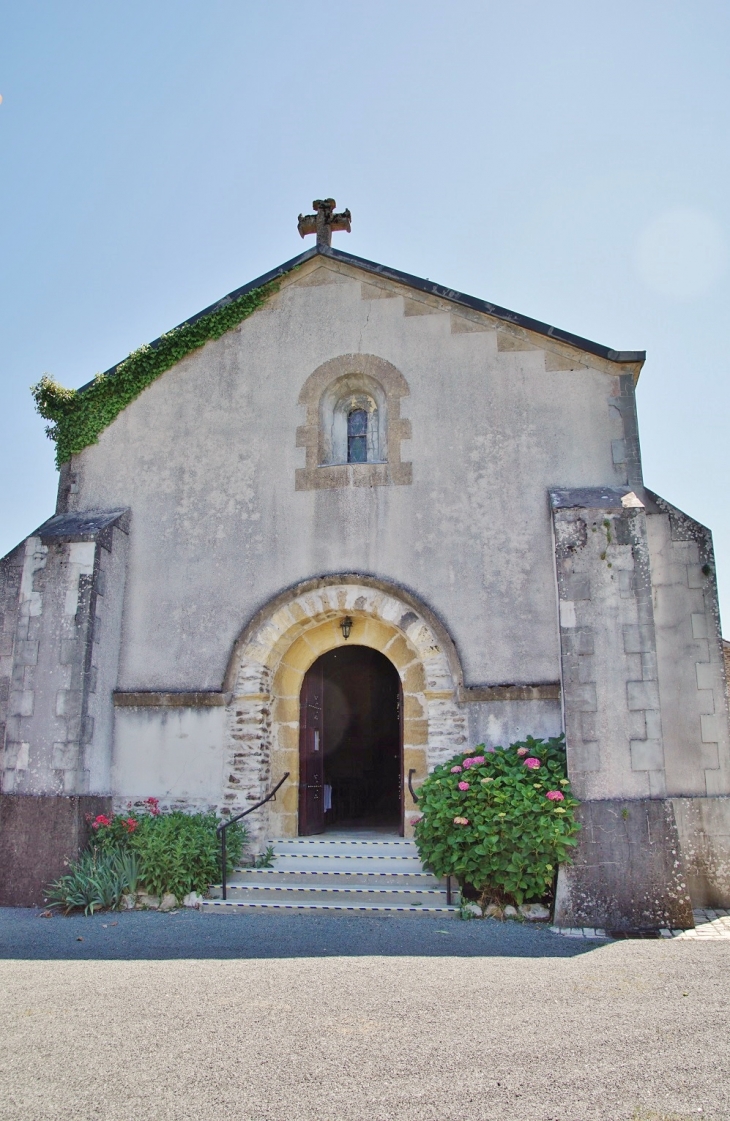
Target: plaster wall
(206,458)
(499,723)
(173,754)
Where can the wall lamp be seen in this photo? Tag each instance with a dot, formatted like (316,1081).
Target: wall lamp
(346,626)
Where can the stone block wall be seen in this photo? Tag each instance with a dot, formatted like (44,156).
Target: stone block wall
(60,673)
(704,837)
(690,653)
(610,679)
(11,576)
(61,595)
(645,707)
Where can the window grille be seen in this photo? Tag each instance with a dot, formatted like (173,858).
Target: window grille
(357,436)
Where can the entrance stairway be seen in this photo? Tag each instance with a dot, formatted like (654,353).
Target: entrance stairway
(338,873)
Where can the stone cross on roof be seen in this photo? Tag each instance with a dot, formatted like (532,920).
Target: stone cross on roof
(324,221)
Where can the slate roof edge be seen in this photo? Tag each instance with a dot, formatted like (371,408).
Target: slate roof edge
(494,310)
(82,525)
(417,282)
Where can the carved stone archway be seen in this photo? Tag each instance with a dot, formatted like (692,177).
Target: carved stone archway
(267,669)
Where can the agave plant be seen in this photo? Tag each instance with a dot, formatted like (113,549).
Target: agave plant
(96,880)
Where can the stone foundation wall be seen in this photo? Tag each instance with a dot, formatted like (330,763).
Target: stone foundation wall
(704,833)
(627,874)
(39,836)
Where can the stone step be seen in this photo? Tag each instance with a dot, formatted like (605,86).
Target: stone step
(245,906)
(350,893)
(340,846)
(337,874)
(334,862)
(334,876)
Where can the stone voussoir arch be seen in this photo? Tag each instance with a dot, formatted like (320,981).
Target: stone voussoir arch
(266,672)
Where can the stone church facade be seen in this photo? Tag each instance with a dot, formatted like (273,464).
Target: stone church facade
(485,528)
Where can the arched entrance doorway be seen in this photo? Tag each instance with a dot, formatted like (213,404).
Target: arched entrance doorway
(350,743)
(264,679)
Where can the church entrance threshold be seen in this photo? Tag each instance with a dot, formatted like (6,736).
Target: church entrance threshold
(350,744)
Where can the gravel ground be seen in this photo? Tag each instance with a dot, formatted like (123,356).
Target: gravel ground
(342,1018)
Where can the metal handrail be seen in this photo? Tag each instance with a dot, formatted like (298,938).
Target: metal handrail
(221,830)
(410,785)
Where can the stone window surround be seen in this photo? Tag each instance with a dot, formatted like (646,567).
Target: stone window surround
(364,374)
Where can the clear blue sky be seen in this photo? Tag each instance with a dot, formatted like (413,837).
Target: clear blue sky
(567,160)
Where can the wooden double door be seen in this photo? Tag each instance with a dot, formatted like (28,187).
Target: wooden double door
(350,743)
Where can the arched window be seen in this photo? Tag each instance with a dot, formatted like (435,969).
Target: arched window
(353,421)
(357,436)
(354,428)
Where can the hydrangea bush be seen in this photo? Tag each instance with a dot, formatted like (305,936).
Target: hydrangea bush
(500,820)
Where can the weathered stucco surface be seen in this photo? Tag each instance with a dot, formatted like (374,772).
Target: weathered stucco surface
(207,457)
(174,754)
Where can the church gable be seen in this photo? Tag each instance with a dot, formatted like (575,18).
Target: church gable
(79,416)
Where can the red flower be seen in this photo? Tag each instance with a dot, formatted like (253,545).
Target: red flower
(102,819)
(152,805)
(131,824)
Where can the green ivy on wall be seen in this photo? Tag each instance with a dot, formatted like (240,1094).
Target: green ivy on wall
(79,416)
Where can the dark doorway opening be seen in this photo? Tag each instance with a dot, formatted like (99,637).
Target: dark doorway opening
(350,743)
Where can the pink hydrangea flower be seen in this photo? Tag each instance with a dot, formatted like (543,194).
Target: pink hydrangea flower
(492,749)
(463,786)
(468,763)
(461,821)
(456,770)
(532,763)
(522,751)
(555,795)
(477,759)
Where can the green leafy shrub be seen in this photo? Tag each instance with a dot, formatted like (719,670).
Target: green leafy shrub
(163,852)
(499,820)
(180,852)
(96,881)
(177,852)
